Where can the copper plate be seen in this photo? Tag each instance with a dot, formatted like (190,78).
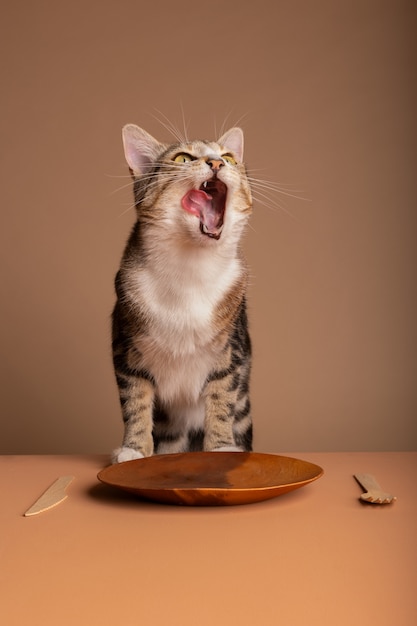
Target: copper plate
(211,478)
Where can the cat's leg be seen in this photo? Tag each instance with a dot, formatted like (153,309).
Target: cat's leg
(228,424)
(218,430)
(136,399)
(228,421)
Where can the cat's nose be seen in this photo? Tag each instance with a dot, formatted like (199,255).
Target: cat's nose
(215,163)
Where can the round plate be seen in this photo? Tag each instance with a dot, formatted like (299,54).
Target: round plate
(211,478)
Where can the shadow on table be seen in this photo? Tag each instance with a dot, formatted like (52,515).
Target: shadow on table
(107,495)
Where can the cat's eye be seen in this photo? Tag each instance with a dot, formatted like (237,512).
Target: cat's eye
(183,157)
(229,159)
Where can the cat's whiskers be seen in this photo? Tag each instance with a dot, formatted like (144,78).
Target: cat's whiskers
(269,185)
(272,205)
(171,128)
(158,176)
(123,187)
(184,123)
(131,207)
(270,194)
(273,183)
(264,192)
(225,123)
(251,226)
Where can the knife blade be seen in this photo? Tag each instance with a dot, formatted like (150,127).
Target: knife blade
(51,497)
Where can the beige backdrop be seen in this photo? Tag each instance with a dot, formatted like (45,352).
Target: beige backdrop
(325,92)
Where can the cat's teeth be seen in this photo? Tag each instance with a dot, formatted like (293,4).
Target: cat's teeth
(205,184)
(207,232)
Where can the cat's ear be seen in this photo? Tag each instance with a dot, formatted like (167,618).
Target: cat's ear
(141,149)
(233,141)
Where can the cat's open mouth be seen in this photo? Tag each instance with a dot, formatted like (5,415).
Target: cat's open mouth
(209,204)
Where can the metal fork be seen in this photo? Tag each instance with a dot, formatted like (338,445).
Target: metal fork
(374,493)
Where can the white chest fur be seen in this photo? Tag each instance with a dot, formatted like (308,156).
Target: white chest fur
(180,297)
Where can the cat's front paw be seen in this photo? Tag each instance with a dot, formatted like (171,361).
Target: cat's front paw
(125,454)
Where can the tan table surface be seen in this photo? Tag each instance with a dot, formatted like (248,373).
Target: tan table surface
(313,556)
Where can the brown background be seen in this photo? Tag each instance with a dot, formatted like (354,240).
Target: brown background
(325,92)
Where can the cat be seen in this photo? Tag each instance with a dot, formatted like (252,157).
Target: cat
(180,339)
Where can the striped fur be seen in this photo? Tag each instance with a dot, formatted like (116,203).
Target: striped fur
(181,348)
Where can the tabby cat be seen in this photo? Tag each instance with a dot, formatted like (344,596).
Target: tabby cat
(181,347)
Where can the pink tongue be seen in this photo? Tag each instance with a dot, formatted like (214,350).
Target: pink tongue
(199,203)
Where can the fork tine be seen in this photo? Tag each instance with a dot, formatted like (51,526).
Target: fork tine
(373,492)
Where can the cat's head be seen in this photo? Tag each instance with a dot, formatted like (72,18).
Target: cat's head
(193,191)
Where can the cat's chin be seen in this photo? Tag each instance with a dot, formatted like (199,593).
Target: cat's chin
(120,455)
